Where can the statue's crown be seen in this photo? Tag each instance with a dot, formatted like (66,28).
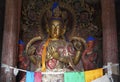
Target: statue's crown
(56,12)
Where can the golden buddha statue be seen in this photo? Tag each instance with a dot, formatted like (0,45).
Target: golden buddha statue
(57,51)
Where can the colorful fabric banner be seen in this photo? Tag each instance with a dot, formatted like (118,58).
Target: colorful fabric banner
(93,74)
(29,76)
(102,79)
(37,77)
(74,77)
(44,56)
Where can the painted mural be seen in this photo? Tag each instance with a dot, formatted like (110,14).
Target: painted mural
(83,18)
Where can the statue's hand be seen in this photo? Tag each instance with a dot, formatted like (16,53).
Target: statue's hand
(31,50)
(78,45)
(56,55)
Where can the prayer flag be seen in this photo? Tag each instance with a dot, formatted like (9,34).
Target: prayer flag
(74,77)
(102,79)
(29,76)
(38,77)
(93,74)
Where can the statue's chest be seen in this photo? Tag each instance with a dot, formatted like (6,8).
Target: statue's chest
(58,46)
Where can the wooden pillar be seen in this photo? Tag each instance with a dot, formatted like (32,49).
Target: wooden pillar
(19,15)
(110,50)
(10,39)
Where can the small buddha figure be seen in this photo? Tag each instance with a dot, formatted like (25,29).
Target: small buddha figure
(56,12)
(89,55)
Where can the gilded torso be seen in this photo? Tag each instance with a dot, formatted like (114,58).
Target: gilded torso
(63,48)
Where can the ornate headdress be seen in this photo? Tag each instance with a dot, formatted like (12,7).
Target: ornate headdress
(55,12)
(55,5)
(90,38)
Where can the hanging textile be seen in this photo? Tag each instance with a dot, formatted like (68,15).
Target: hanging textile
(38,77)
(74,77)
(29,76)
(93,74)
(102,79)
(44,55)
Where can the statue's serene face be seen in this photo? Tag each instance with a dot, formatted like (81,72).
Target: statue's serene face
(55,29)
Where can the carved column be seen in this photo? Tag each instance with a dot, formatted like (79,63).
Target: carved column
(10,39)
(110,50)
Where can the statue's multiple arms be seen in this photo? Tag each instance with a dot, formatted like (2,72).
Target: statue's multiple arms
(67,59)
(54,54)
(77,57)
(30,53)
